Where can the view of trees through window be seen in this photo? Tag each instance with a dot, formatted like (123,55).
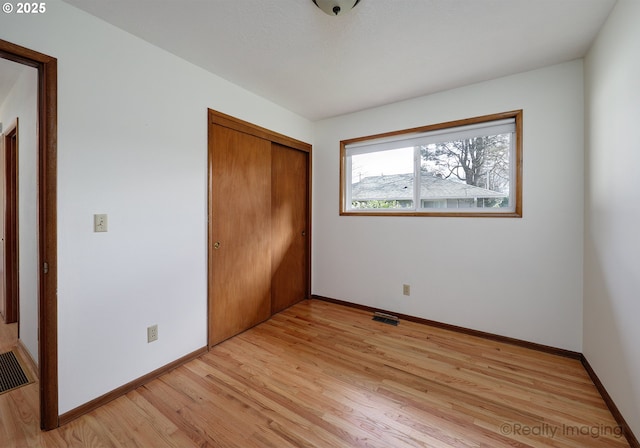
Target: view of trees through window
(467,167)
(480,161)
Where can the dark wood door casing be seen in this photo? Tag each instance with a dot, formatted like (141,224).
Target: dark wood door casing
(10,257)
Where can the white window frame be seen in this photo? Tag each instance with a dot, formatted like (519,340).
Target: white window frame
(502,123)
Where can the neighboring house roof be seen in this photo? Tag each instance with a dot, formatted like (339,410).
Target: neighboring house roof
(400,187)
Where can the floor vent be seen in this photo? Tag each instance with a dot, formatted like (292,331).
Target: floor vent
(385,318)
(12,375)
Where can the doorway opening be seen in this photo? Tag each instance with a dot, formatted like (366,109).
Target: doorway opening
(46,229)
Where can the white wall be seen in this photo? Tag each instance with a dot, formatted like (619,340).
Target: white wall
(612,212)
(132,143)
(21,103)
(520,278)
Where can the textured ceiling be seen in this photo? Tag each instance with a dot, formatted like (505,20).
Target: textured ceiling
(383,51)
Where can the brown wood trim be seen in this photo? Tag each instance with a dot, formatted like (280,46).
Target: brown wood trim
(481,334)
(22,55)
(228,121)
(47,203)
(11,260)
(47,67)
(342,202)
(517,213)
(124,389)
(442,214)
(519,170)
(438,126)
(210,233)
(309,220)
(626,429)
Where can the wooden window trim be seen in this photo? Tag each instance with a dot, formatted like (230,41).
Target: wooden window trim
(517,211)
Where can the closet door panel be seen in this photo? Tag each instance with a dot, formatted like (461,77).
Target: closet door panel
(240,232)
(289,226)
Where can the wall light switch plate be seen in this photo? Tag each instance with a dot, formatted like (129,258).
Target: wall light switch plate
(100,223)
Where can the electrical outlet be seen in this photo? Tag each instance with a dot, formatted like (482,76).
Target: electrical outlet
(152,333)
(406,290)
(100,223)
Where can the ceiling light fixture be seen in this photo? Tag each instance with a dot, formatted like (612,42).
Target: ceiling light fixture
(335,7)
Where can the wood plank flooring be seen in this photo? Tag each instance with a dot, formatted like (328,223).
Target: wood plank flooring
(8,336)
(323,375)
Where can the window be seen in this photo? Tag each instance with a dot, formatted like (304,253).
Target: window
(468,167)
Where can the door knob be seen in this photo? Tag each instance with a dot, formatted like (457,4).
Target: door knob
(216,245)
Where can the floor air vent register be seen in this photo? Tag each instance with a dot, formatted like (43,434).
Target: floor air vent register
(12,375)
(385,318)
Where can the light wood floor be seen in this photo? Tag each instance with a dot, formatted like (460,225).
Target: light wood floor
(323,375)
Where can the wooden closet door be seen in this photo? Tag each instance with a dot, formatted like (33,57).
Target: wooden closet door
(289,226)
(240,232)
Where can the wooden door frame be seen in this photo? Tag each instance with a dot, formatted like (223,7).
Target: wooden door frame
(11,229)
(215,117)
(47,67)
